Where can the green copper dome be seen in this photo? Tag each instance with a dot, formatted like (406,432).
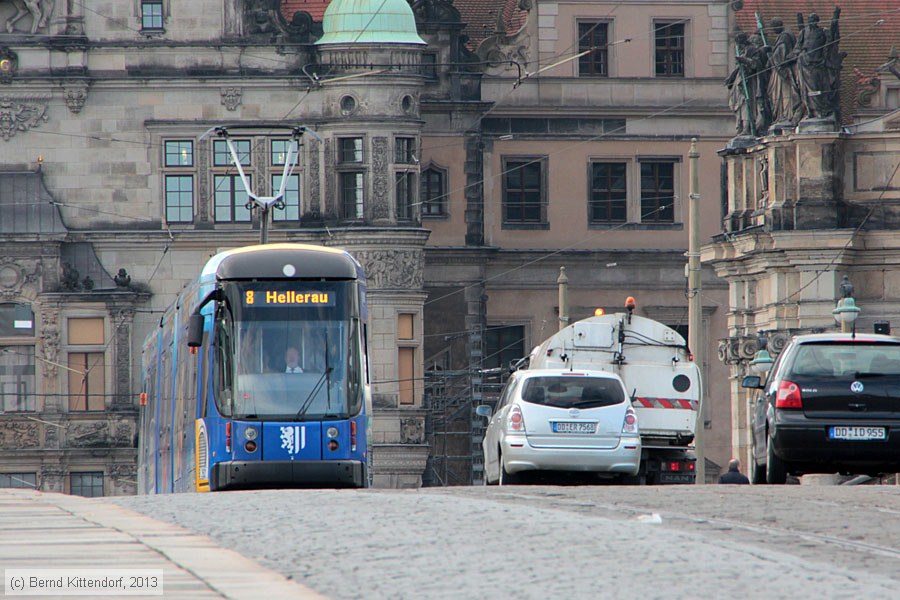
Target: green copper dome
(369,22)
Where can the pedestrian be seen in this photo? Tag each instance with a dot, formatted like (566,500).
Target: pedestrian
(734,474)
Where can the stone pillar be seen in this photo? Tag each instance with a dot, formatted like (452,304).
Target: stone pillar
(818,195)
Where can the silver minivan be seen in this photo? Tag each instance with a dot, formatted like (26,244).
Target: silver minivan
(560,420)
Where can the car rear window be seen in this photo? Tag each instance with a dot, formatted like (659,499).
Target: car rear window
(851,360)
(573,392)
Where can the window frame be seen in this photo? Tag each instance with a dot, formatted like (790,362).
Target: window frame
(426,201)
(496,330)
(29,403)
(92,486)
(643,214)
(521,162)
(74,348)
(409,346)
(152,18)
(600,54)
(592,202)
(665,55)
(233,203)
(174,199)
(12,476)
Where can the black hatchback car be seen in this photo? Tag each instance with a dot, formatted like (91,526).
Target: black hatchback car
(831,404)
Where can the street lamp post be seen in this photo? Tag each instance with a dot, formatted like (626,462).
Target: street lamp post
(846,311)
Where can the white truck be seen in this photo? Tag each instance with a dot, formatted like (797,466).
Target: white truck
(658,370)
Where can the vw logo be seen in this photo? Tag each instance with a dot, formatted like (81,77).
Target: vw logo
(857,387)
(574,412)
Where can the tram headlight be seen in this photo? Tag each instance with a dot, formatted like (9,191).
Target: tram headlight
(332,432)
(250,434)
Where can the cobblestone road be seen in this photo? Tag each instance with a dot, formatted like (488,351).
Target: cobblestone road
(561,542)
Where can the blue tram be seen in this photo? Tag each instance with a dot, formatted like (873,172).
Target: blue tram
(257,376)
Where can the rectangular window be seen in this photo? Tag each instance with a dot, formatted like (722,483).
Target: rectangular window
(86,483)
(87,368)
(405,326)
(669,49)
(222,155)
(608,201)
(432,192)
(151,14)
(429,65)
(179,153)
(87,385)
(657,192)
(405,151)
(593,37)
(178,182)
(16,320)
(231,199)
(27,481)
(279,151)
(406,374)
(17,378)
(351,184)
(179,198)
(503,344)
(291,211)
(350,150)
(523,194)
(405,187)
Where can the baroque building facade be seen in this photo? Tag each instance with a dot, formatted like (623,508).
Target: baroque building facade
(462,156)
(813,200)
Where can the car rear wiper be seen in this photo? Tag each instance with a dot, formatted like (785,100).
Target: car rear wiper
(863,374)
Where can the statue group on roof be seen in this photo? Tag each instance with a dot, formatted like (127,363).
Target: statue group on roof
(776,85)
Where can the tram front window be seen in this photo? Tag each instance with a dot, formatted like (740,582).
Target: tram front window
(294,360)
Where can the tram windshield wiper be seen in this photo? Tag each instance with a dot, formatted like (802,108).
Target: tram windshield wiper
(305,406)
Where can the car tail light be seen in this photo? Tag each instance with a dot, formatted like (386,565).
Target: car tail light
(630,424)
(516,420)
(788,395)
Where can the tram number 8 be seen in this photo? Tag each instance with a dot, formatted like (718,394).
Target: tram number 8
(249,298)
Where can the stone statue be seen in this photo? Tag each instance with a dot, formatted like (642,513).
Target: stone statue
(40,11)
(818,66)
(744,85)
(783,89)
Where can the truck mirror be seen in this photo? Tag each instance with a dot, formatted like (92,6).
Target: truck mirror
(752,381)
(195,330)
(483,411)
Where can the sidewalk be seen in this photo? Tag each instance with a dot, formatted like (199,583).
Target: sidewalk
(57,531)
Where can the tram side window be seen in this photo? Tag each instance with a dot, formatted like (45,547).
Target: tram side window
(224,363)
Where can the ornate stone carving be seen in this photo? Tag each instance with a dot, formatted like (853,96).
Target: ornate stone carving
(123,475)
(203,185)
(122,320)
(17,435)
(15,274)
(39,10)
(393,269)
(49,344)
(123,436)
(231,97)
(89,435)
(330,210)
(76,96)
(52,479)
(51,437)
(734,350)
(380,188)
(315,191)
(21,113)
(412,431)
(435,11)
